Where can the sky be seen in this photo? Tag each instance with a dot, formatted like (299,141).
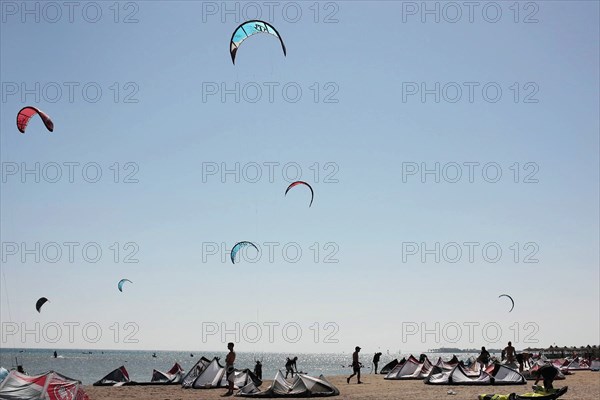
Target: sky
(453,151)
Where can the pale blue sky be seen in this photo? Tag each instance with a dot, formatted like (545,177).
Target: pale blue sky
(176,49)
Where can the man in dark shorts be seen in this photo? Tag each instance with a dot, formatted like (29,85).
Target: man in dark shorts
(355,365)
(376,358)
(548,373)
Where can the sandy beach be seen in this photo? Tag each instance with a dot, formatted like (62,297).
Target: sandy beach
(584,385)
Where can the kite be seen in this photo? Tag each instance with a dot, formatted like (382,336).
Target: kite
(248,29)
(121,283)
(27,113)
(238,247)
(41,301)
(511,300)
(312,193)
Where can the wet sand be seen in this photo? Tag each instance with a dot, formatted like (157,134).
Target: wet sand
(583,385)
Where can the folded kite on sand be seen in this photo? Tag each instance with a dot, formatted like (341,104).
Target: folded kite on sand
(499,375)
(301,386)
(539,394)
(212,375)
(173,376)
(117,377)
(45,386)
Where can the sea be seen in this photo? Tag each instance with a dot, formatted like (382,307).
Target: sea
(89,366)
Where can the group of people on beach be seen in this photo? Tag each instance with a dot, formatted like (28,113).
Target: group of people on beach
(546,372)
(357,365)
(509,354)
(290,367)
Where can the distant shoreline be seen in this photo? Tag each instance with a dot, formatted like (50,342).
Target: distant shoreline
(461,351)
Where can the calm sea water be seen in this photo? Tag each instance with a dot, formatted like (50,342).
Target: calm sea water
(89,368)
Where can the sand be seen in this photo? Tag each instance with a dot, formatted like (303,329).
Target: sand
(583,385)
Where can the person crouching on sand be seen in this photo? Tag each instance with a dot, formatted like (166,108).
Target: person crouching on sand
(523,360)
(548,373)
(230,369)
(355,365)
(376,359)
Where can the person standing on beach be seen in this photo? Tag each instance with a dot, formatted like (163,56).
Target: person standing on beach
(230,369)
(290,366)
(484,358)
(355,365)
(376,358)
(258,369)
(510,353)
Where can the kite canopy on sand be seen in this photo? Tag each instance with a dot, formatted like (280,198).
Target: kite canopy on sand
(249,28)
(312,193)
(26,113)
(48,386)
(538,394)
(41,301)
(238,246)
(511,300)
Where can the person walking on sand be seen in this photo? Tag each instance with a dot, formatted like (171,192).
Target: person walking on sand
(510,353)
(376,358)
(355,365)
(230,369)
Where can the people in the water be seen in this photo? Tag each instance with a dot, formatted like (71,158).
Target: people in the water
(258,369)
(290,366)
(484,357)
(355,365)
(55,354)
(547,373)
(376,359)
(154,355)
